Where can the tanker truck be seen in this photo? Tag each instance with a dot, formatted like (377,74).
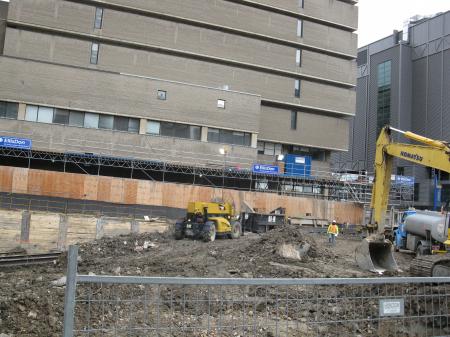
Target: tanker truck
(426,233)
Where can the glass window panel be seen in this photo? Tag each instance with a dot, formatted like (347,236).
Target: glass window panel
(167,129)
(2,109)
(221,103)
(162,95)
(45,114)
(133,125)
(260,147)
(278,149)
(213,135)
(153,127)
(94,53)
(293,120)
(300,28)
(61,116)
(238,138)
(98,18)
(91,120)
(248,139)
(106,122)
(181,130)
(76,118)
(226,136)
(298,57)
(121,123)
(31,113)
(195,132)
(297,88)
(11,110)
(269,149)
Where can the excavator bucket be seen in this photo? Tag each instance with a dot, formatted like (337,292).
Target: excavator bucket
(375,255)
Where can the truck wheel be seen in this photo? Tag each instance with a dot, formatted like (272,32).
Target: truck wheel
(178,235)
(235,231)
(210,235)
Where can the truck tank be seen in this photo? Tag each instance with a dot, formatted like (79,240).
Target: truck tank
(421,222)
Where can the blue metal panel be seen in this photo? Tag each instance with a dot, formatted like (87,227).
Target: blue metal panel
(296,165)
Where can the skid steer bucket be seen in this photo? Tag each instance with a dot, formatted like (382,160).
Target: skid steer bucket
(375,254)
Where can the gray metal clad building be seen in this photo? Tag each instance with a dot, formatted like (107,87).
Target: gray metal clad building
(177,80)
(404,80)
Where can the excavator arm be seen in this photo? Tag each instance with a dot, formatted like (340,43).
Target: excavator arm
(375,252)
(434,154)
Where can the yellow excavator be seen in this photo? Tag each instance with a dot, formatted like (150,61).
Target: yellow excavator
(375,252)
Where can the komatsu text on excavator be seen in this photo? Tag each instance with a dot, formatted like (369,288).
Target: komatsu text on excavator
(375,252)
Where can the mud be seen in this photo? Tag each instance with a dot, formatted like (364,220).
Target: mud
(31,306)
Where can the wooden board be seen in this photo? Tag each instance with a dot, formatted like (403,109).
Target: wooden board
(10,224)
(44,233)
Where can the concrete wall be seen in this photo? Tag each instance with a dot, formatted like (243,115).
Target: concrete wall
(46,231)
(141,192)
(312,129)
(3,15)
(115,58)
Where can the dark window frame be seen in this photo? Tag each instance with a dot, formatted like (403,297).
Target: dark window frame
(10,110)
(297,88)
(94,54)
(294,117)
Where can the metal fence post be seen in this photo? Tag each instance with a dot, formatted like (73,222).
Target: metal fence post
(71,284)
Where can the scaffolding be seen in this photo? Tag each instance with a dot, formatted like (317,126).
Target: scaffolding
(320,184)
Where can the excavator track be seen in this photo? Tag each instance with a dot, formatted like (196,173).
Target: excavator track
(431,265)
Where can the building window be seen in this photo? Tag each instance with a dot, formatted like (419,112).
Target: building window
(176,130)
(40,114)
(269,149)
(293,120)
(301,3)
(94,53)
(105,122)
(61,116)
(221,104)
(297,88)
(298,57)
(299,28)
(9,110)
(76,118)
(384,95)
(98,18)
(229,137)
(153,127)
(91,120)
(162,95)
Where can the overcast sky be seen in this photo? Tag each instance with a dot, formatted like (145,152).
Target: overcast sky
(378,18)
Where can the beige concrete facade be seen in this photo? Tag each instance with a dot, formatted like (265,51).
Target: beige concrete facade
(246,53)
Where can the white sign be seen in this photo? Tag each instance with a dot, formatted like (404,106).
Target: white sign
(300,160)
(392,307)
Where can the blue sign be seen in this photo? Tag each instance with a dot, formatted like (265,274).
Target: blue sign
(18,143)
(265,169)
(403,180)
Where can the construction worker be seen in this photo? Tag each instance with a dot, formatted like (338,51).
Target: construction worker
(333,231)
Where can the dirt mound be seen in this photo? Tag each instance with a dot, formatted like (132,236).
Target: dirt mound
(270,242)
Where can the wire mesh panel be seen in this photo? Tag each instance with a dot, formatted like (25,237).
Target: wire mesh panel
(139,306)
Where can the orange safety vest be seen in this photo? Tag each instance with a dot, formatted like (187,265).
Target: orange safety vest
(333,229)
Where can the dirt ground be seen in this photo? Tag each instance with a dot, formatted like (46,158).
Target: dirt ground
(30,305)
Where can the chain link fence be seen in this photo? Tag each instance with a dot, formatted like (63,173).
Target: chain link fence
(159,306)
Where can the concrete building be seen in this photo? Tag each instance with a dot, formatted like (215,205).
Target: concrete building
(404,80)
(178,81)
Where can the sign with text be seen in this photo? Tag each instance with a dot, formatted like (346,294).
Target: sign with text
(265,169)
(392,307)
(18,143)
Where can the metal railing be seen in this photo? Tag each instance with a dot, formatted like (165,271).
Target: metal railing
(164,306)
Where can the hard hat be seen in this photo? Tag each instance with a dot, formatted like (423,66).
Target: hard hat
(334,221)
